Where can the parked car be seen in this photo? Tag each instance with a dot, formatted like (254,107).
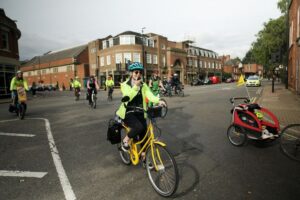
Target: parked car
(197,82)
(229,80)
(253,81)
(214,79)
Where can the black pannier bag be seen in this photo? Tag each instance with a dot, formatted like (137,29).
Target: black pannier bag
(154,111)
(114,132)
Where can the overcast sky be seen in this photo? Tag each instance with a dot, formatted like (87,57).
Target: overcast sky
(224,26)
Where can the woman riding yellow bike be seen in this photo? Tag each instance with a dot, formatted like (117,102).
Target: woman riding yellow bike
(137,91)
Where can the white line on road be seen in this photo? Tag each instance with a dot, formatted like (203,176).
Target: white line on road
(259,91)
(17,134)
(64,181)
(23,174)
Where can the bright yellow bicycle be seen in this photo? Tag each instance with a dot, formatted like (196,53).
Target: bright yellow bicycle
(160,164)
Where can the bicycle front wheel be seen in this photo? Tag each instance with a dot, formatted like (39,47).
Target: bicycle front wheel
(290,141)
(93,105)
(162,170)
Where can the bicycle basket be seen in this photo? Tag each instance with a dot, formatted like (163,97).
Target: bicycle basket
(114,132)
(154,112)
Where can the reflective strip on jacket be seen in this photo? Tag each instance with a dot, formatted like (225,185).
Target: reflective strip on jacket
(127,90)
(14,83)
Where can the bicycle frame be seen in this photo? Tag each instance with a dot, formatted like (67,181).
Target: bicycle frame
(149,136)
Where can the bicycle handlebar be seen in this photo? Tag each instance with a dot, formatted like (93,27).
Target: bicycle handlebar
(232,99)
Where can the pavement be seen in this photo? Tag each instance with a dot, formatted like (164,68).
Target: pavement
(283,103)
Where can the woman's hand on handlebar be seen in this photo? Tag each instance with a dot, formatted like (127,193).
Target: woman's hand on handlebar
(162,104)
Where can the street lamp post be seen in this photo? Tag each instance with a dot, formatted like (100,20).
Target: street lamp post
(143,51)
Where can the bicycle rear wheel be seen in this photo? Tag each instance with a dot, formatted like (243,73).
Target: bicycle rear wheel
(236,135)
(290,141)
(21,113)
(164,177)
(94,99)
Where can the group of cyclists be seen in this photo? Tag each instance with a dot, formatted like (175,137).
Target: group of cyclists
(134,87)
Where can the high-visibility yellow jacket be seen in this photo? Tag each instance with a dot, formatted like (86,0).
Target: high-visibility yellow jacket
(109,83)
(14,83)
(76,84)
(127,90)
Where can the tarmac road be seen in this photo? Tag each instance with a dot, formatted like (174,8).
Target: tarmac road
(194,130)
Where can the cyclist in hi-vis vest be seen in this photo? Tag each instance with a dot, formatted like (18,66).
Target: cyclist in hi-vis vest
(137,91)
(17,81)
(155,84)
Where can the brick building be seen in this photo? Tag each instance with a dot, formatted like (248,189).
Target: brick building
(58,67)
(294,43)
(111,55)
(9,52)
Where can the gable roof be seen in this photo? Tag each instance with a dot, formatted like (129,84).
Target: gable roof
(56,55)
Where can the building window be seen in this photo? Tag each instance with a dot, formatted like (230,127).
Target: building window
(154,59)
(149,58)
(291,34)
(108,62)
(93,50)
(164,60)
(118,58)
(69,68)
(205,64)
(101,61)
(150,43)
(163,46)
(104,44)
(93,66)
(127,39)
(190,62)
(136,57)
(127,57)
(196,63)
(4,36)
(200,64)
(55,70)
(111,42)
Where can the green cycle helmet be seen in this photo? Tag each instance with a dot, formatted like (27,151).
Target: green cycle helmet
(135,66)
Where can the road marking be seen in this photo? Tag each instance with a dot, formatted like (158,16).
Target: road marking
(253,99)
(64,181)
(259,91)
(23,174)
(16,134)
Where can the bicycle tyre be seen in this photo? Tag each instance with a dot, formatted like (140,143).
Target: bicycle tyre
(125,156)
(290,141)
(93,104)
(21,112)
(239,134)
(181,93)
(164,109)
(165,179)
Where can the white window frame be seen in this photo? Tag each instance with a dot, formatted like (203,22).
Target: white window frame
(149,58)
(136,57)
(155,59)
(108,60)
(102,61)
(164,60)
(104,44)
(127,56)
(118,58)
(111,42)
(127,39)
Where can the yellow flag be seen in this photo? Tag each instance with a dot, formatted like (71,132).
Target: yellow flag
(241,80)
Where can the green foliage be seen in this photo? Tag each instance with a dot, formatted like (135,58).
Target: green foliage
(272,39)
(282,5)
